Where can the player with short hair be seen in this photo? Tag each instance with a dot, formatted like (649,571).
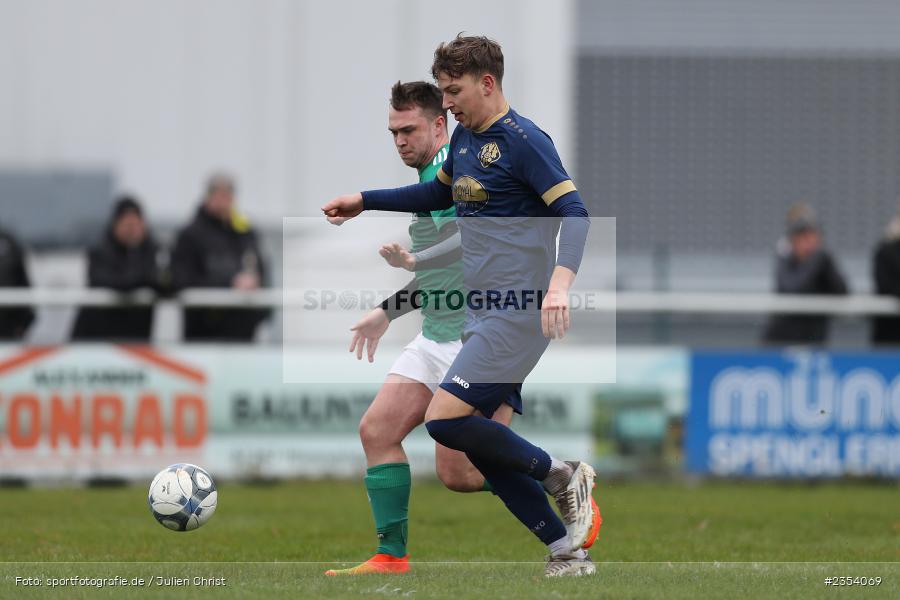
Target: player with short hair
(503,169)
(418,123)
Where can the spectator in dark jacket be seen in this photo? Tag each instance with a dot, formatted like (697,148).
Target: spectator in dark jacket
(219,249)
(803,267)
(886,330)
(125,260)
(14,320)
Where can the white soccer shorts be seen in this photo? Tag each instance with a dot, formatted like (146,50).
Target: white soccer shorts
(426,361)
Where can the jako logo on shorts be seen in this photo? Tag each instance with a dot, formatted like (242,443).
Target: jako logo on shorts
(460,381)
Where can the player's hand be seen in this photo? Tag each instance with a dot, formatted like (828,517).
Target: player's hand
(367,332)
(398,256)
(555,319)
(342,208)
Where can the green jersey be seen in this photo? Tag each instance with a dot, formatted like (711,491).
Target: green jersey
(441,324)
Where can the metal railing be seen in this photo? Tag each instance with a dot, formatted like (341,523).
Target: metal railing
(620,302)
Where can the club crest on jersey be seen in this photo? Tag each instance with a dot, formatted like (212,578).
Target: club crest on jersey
(489,154)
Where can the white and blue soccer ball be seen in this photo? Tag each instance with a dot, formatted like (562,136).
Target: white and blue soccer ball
(182,497)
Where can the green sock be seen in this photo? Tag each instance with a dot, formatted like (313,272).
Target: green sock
(486,487)
(388,486)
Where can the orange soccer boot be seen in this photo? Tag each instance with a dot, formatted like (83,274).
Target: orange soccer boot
(378,564)
(596,522)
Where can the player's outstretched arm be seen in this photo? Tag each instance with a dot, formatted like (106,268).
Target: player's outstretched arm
(342,208)
(367,332)
(397,256)
(402,301)
(446,251)
(419,197)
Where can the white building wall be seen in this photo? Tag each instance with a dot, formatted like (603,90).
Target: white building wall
(290,96)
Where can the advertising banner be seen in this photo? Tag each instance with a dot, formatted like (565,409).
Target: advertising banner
(75,412)
(794,414)
(95,411)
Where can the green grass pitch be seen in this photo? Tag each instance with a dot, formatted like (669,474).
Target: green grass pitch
(666,541)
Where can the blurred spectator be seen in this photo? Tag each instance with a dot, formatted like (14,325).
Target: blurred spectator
(125,260)
(14,320)
(886,330)
(803,266)
(219,249)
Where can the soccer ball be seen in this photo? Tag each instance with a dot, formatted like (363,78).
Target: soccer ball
(182,497)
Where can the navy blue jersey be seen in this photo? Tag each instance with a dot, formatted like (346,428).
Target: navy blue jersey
(507,174)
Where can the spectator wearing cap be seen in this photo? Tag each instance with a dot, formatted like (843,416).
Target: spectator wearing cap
(885,329)
(803,266)
(14,320)
(126,259)
(219,249)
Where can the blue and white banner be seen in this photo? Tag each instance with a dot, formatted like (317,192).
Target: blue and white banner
(794,414)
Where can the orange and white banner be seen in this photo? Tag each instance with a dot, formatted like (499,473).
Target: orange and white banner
(76,412)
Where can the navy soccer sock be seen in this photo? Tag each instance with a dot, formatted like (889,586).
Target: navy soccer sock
(525,498)
(492,444)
